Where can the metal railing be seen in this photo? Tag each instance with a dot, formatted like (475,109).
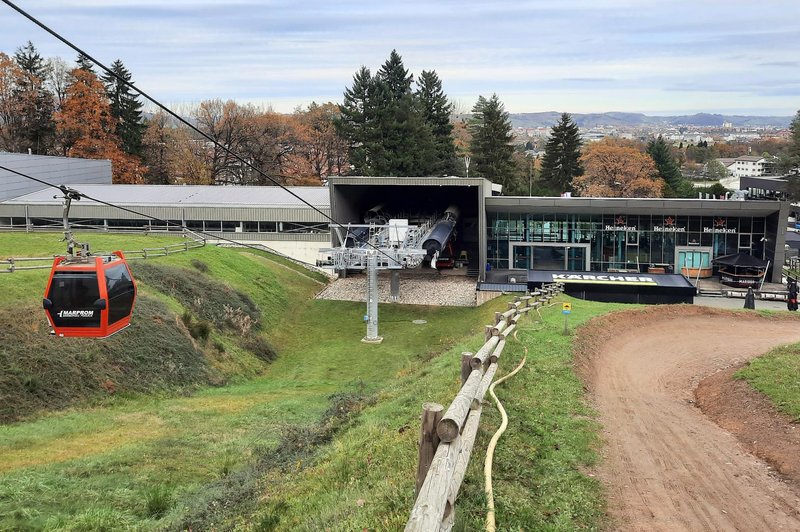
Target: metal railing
(11,264)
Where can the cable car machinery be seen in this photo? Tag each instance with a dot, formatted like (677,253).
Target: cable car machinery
(384,243)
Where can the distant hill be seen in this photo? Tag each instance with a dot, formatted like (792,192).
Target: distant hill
(548,119)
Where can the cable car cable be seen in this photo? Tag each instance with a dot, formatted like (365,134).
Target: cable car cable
(185,122)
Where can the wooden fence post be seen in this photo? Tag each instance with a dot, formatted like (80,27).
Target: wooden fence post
(466,366)
(428,440)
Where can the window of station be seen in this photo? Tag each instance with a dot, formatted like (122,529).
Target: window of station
(128,224)
(47,222)
(627,242)
(194,225)
(302,227)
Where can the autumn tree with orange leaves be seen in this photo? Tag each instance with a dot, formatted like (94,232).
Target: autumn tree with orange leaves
(85,128)
(321,148)
(618,171)
(10,105)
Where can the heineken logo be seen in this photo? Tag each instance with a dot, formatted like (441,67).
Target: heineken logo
(620,225)
(720,226)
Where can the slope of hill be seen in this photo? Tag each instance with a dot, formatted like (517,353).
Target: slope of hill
(197,322)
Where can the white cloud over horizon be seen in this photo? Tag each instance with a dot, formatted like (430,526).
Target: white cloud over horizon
(577,55)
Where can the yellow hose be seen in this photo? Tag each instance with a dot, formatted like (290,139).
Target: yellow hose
(487,466)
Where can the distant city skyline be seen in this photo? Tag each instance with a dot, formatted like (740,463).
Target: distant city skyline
(580,56)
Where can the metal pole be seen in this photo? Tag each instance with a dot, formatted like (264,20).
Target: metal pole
(395,286)
(372,299)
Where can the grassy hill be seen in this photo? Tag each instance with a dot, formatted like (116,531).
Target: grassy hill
(198,321)
(153,427)
(307,429)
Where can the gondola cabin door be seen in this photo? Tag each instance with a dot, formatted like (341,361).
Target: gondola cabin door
(93,297)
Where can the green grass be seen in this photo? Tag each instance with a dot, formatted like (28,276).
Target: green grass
(323,438)
(777,375)
(152,460)
(365,478)
(108,459)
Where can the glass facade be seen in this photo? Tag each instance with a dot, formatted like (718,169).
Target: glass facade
(549,241)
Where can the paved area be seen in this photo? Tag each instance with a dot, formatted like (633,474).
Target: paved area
(732,303)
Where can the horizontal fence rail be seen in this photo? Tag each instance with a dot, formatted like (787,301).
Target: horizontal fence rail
(11,264)
(447,436)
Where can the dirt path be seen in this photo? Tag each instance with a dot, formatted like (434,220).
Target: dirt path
(667,466)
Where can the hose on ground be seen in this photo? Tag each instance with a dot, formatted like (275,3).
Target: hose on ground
(487,466)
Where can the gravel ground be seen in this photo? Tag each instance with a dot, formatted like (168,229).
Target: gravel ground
(415,289)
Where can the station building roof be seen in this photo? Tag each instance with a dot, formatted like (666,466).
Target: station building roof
(53,170)
(187,196)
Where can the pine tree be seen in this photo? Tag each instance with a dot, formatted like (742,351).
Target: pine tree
(384,123)
(668,169)
(436,112)
(490,145)
(84,63)
(396,77)
(33,127)
(125,108)
(356,122)
(561,162)
(406,139)
(794,143)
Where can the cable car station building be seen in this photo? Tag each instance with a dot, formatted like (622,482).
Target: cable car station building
(500,240)
(512,238)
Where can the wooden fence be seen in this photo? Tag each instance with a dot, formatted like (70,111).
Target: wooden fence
(193,241)
(447,436)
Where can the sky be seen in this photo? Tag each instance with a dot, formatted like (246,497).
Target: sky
(656,57)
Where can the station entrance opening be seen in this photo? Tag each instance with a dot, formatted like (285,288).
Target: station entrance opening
(417,202)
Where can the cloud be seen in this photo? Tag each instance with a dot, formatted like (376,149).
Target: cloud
(645,53)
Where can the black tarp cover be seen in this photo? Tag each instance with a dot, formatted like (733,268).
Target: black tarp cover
(740,260)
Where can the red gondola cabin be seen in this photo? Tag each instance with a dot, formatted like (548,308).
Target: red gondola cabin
(91,297)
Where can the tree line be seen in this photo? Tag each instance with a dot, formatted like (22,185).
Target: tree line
(49,107)
(388,124)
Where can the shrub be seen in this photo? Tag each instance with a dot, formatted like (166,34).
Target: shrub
(200,330)
(157,501)
(199,265)
(260,347)
(204,296)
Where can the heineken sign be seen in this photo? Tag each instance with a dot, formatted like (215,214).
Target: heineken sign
(620,225)
(720,226)
(669,226)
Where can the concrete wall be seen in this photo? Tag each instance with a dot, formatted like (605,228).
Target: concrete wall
(55,170)
(307,252)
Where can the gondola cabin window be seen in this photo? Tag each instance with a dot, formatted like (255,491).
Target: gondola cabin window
(119,286)
(74,295)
